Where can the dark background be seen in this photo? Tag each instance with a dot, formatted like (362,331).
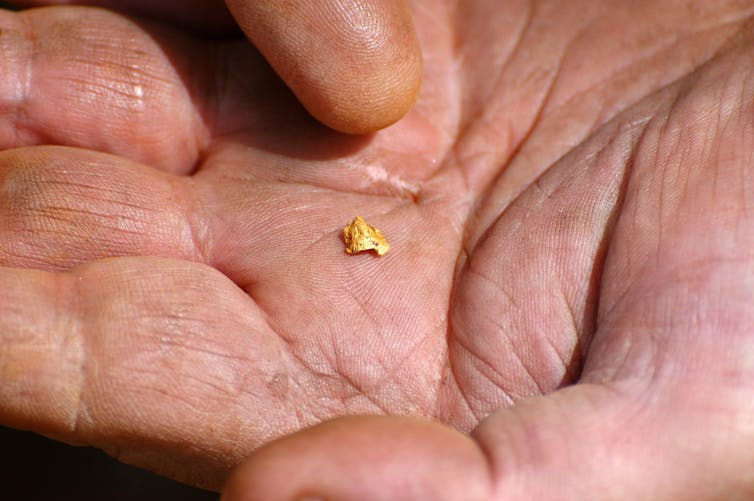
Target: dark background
(33,468)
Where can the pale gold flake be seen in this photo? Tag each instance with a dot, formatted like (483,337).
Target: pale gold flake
(360,237)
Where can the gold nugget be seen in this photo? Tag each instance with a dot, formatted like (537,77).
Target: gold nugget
(360,237)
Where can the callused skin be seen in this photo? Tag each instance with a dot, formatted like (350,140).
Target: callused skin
(570,279)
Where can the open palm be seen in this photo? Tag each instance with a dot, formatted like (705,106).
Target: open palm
(563,206)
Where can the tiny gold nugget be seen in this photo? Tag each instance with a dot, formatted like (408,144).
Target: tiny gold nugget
(360,237)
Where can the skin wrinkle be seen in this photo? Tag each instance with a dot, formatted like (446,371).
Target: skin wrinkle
(456,341)
(391,368)
(513,146)
(182,317)
(103,192)
(451,374)
(46,212)
(254,210)
(568,361)
(448,371)
(652,52)
(661,330)
(360,393)
(568,49)
(303,362)
(603,117)
(618,110)
(400,194)
(428,405)
(23,75)
(130,95)
(135,80)
(685,265)
(73,345)
(478,404)
(506,394)
(635,136)
(626,187)
(516,43)
(200,233)
(710,150)
(494,181)
(637,130)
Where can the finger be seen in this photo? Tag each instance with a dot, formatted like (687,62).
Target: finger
(164,364)
(204,16)
(365,458)
(582,443)
(60,207)
(86,77)
(355,66)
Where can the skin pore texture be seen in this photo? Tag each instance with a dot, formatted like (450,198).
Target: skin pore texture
(565,312)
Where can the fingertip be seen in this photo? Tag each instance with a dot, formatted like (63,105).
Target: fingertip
(365,458)
(367,101)
(374,79)
(355,66)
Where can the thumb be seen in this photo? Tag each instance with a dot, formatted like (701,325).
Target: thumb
(355,65)
(585,442)
(365,459)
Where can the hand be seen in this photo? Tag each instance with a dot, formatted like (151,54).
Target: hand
(567,203)
(355,66)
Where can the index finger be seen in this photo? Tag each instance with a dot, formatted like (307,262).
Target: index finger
(355,65)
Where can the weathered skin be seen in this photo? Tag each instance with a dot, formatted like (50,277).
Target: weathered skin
(570,209)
